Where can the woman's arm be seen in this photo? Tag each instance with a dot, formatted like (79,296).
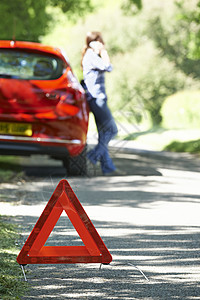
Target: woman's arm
(104,55)
(100,50)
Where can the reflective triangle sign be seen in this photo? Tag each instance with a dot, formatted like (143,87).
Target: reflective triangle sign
(94,249)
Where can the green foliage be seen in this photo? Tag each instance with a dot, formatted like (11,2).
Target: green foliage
(175,36)
(162,80)
(148,74)
(159,138)
(149,52)
(7,234)
(189,13)
(23,19)
(182,110)
(11,285)
(146,50)
(189,147)
(145,80)
(73,8)
(10,169)
(29,20)
(131,7)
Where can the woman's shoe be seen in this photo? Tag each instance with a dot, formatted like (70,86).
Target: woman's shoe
(116,172)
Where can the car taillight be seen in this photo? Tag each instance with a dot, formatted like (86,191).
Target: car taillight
(64,109)
(68,103)
(52,96)
(68,98)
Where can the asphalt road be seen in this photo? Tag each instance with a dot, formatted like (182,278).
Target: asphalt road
(148,218)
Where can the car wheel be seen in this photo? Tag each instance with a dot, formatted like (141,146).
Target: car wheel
(76,165)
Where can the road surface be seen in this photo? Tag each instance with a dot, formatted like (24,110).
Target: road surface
(148,218)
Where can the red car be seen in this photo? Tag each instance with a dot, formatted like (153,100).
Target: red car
(43,108)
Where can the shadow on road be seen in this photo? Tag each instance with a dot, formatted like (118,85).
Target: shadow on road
(130,162)
(126,213)
(159,248)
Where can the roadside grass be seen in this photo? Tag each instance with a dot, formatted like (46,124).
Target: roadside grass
(155,138)
(190,147)
(175,140)
(9,168)
(12,285)
(179,132)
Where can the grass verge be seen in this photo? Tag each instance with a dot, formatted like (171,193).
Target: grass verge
(9,169)
(190,147)
(12,285)
(175,140)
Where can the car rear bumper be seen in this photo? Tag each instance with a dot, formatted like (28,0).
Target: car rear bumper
(38,139)
(13,145)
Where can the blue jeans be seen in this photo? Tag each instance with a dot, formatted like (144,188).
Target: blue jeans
(107,130)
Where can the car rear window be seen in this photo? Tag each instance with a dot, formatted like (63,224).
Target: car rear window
(29,65)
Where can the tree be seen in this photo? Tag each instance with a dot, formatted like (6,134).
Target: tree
(131,6)
(29,19)
(176,36)
(191,17)
(144,82)
(173,42)
(23,19)
(188,12)
(73,7)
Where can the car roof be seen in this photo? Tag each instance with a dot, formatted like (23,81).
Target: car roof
(31,46)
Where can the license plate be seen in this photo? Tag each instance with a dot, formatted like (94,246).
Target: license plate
(16,129)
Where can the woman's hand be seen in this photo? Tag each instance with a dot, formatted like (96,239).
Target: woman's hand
(96,46)
(100,50)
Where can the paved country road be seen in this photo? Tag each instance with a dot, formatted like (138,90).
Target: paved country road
(148,218)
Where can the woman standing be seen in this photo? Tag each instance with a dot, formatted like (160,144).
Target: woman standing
(95,62)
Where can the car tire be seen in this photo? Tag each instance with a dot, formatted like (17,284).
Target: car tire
(76,165)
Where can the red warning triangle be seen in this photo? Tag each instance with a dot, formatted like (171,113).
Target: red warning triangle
(34,251)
